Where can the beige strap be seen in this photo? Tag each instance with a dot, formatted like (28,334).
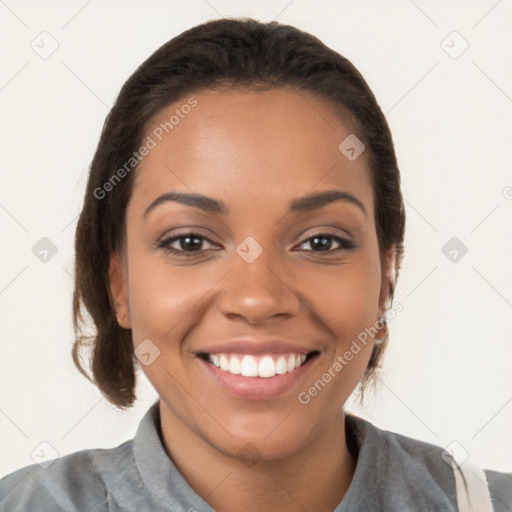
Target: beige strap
(472,488)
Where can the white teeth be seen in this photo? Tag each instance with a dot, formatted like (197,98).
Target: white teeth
(281,365)
(250,367)
(223,362)
(267,367)
(234,366)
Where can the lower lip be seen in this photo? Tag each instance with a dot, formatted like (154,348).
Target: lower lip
(257,388)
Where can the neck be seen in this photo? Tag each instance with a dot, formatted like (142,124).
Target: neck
(315,478)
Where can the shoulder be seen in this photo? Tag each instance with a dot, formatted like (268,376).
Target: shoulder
(500,488)
(499,484)
(484,483)
(78,481)
(406,454)
(414,461)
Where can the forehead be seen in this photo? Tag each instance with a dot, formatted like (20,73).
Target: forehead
(248,147)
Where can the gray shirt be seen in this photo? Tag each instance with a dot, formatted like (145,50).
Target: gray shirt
(393,473)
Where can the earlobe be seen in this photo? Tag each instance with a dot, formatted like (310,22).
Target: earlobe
(119,291)
(387,279)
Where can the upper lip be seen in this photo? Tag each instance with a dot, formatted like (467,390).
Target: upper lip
(252,345)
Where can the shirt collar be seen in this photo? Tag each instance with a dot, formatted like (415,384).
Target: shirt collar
(168,486)
(379,462)
(157,470)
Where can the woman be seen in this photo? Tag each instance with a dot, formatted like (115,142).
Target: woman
(240,239)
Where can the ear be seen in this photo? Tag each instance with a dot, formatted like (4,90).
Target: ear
(118,280)
(387,278)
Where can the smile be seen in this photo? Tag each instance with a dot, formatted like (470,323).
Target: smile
(264,366)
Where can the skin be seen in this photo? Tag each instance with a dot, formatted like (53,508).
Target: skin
(255,151)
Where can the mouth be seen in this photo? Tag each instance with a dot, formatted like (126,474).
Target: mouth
(264,366)
(261,376)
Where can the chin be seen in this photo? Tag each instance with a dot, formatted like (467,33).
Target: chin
(251,450)
(267,438)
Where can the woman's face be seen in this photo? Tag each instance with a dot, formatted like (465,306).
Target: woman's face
(271,277)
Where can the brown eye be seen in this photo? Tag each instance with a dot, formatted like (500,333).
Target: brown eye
(184,245)
(322,242)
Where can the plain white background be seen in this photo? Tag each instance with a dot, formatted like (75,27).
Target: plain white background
(447,374)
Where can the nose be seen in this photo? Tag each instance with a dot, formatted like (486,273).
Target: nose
(259,291)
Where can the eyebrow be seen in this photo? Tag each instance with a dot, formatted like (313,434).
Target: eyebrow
(306,203)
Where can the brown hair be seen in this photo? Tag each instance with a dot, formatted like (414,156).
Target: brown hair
(220,53)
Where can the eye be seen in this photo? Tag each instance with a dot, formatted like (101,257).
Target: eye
(188,244)
(323,242)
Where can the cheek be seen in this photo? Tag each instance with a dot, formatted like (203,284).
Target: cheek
(165,299)
(346,304)
(166,302)
(347,297)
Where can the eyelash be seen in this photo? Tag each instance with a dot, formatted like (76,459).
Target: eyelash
(345,245)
